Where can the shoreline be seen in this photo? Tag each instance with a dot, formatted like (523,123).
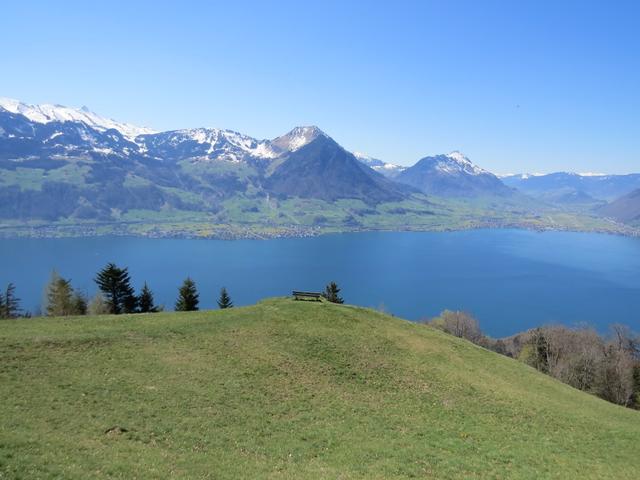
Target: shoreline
(263,232)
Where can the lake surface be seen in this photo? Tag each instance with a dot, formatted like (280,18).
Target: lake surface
(510,280)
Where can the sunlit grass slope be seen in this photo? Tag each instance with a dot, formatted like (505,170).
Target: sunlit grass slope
(288,389)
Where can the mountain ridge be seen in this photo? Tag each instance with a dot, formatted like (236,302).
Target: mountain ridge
(390,170)
(452,174)
(46,113)
(603,187)
(65,169)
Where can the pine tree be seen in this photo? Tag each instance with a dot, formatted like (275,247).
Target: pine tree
(225,300)
(80,303)
(11,303)
(118,293)
(188,297)
(130,303)
(2,306)
(145,300)
(331,293)
(59,297)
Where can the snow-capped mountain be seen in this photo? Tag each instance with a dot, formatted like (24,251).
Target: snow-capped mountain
(22,140)
(389,170)
(209,144)
(46,113)
(323,169)
(88,167)
(456,162)
(303,162)
(518,176)
(298,138)
(452,174)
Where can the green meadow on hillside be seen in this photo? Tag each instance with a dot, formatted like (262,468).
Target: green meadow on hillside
(288,389)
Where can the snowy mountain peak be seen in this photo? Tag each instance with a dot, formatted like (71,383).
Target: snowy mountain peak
(363,157)
(310,131)
(592,174)
(452,174)
(298,138)
(386,169)
(214,143)
(521,176)
(46,113)
(458,157)
(457,162)
(526,176)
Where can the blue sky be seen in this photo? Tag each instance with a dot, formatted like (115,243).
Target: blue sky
(517,85)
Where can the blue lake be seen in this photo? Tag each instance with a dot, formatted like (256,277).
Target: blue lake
(510,280)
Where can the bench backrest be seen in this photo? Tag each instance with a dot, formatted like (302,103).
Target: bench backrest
(306,294)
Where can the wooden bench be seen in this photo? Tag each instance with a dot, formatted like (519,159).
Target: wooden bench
(306,296)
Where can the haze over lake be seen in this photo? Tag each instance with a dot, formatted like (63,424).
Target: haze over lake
(510,280)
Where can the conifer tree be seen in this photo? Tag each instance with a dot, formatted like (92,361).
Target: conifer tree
(10,303)
(145,300)
(331,293)
(62,299)
(130,303)
(2,307)
(116,288)
(80,303)
(188,297)
(59,296)
(225,300)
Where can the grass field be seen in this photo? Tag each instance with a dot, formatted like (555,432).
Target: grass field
(288,389)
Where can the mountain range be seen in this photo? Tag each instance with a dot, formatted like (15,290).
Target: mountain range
(612,196)
(390,170)
(594,187)
(60,164)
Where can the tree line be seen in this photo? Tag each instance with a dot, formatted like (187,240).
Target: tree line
(606,366)
(116,295)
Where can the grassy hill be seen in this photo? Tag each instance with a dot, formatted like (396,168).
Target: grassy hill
(288,389)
